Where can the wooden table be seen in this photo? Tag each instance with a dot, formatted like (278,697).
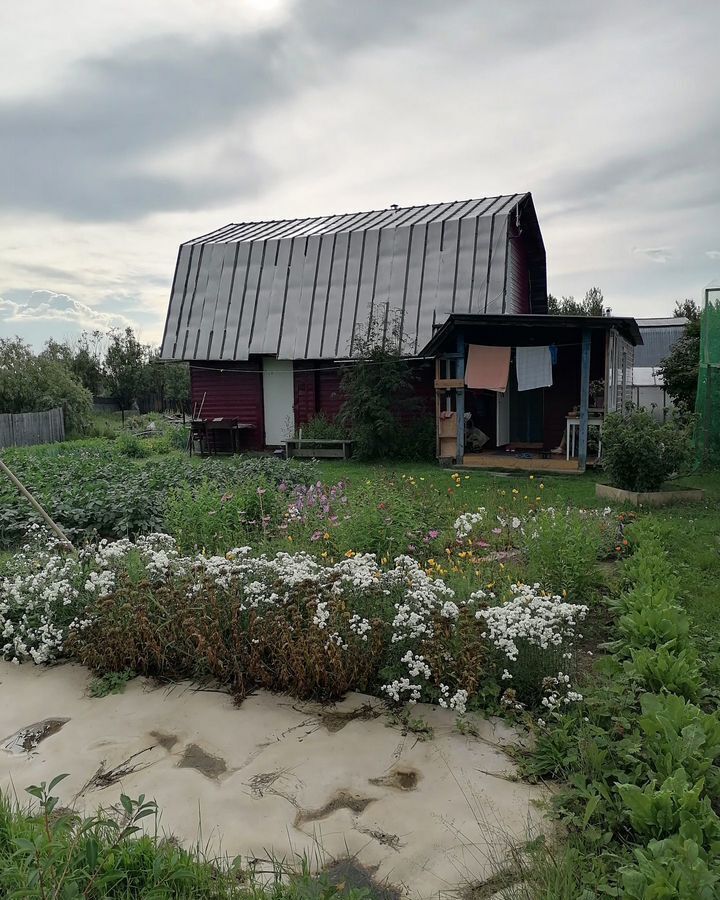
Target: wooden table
(217,436)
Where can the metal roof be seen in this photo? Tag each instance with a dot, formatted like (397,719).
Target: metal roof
(527,330)
(303,288)
(659,337)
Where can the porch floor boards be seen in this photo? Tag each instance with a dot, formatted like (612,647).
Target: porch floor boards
(509,461)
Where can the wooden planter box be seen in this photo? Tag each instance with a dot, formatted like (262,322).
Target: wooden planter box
(648,498)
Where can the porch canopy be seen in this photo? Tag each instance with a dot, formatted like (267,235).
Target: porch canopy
(612,337)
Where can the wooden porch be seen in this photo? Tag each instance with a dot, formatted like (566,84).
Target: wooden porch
(528,423)
(556,465)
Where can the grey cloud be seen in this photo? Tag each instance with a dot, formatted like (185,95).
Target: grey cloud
(655,254)
(712,254)
(84,151)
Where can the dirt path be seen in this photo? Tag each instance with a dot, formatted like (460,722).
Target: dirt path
(276,776)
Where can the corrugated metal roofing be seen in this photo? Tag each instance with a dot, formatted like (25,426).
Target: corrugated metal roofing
(303,288)
(659,337)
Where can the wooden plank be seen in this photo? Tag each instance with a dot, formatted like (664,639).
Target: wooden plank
(445,384)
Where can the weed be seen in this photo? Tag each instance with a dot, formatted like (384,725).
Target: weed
(110,683)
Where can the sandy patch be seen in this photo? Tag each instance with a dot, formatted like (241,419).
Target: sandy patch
(340,784)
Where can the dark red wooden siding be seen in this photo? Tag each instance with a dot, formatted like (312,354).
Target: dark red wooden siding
(318,390)
(231,390)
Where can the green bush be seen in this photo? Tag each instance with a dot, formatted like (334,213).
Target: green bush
(131,445)
(321,428)
(639,453)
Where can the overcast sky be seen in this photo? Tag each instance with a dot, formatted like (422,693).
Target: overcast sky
(126,128)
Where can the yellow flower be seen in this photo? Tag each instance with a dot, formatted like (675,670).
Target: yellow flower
(541,486)
(324,554)
(384,560)
(431,562)
(537,499)
(466,477)
(532,478)
(422,478)
(515,491)
(326,536)
(290,538)
(349,554)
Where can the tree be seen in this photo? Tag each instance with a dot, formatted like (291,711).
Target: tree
(371,386)
(124,364)
(680,368)
(82,358)
(30,383)
(592,304)
(686,309)
(177,385)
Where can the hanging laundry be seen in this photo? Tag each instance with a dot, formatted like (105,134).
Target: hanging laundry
(534,367)
(553,353)
(488,368)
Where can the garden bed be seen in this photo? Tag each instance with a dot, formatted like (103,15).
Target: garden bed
(649,498)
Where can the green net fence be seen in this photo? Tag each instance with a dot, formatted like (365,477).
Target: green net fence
(707,406)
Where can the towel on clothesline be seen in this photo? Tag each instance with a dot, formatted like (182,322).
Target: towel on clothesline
(488,368)
(534,367)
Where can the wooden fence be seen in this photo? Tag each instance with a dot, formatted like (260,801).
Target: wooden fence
(24,429)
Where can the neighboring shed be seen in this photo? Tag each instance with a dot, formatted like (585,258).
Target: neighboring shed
(659,337)
(264,312)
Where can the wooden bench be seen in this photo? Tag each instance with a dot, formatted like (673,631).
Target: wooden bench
(318,448)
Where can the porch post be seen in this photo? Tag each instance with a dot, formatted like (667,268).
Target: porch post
(584,399)
(460,399)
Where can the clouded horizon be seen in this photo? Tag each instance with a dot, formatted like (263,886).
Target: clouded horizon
(129,128)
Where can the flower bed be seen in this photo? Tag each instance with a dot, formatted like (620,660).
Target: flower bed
(287,621)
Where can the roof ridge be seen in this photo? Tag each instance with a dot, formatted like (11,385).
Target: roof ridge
(304,222)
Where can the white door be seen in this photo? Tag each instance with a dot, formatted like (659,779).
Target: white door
(278,400)
(502,419)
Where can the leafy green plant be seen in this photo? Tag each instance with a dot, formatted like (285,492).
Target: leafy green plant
(110,683)
(673,869)
(675,806)
(639,453)
(680,734)
(665,669)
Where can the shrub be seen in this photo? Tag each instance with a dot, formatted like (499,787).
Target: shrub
(372,386)
(131,445)
(533,634)
(320,427)
(639,453)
